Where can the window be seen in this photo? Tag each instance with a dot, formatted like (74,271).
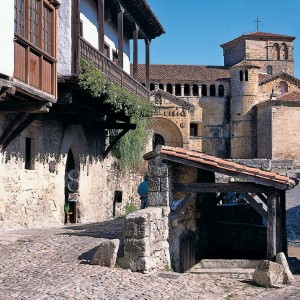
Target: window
(169,88)
(212,90)
(152,86)
(161,86)
(241,75)
(204,90)
(178,90)
(269,70)
(283,86)
(35,43)
(246,75)
(195,90)
(285,52)
(115,57)
(276,52)
(29,153)
(186,90)
(221,90)
(158,140)
(106,50)
(193,129)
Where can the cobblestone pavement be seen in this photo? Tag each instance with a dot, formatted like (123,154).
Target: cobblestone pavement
(53,264)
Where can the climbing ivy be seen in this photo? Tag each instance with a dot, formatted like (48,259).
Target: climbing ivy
(130,147)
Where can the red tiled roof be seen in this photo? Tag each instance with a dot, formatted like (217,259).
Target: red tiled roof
(289,96)
(262,35)
(282,75)
(219,165)
(185,73)
(263,77)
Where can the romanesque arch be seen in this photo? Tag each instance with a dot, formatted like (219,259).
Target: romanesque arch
(285,51)
(276,52)
(169,131)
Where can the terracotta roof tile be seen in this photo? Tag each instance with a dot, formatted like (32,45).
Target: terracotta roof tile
(183,73)
(289,96)
(226,167)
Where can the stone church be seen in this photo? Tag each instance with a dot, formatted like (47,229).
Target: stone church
(248,108)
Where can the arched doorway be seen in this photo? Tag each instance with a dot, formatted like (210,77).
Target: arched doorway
(71,188)
(158,140)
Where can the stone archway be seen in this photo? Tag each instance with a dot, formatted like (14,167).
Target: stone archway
(169,131)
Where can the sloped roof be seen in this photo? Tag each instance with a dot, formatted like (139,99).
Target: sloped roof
(289,96)
(245,63)
(261,35)
(263,77)
(282,75)
(215,164)
(184,73)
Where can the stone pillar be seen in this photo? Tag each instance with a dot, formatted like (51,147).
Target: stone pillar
(156,86)
(173,89)
(200,90)
(182,90)
(158,190)
(191,90)
(165,87)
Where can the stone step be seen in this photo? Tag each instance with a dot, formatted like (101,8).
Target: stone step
(237,273)
(227,264)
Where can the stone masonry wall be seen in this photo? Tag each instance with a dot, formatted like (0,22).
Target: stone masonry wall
(35,198)
(146,246)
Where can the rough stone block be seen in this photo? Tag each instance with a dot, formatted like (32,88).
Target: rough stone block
(154,184)
(106,253)
(288,276)
(268,274)
(164,184)
(137,248)
(136,227)
(158,171)
(158,199)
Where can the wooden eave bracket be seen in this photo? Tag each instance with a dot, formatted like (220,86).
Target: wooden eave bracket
(12,130)
(117,138)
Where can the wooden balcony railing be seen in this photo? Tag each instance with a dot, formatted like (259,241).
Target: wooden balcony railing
(111,70)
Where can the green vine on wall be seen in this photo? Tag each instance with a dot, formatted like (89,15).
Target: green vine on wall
(130,147)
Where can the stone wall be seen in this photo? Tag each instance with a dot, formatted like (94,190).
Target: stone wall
(33,198)
(146,246)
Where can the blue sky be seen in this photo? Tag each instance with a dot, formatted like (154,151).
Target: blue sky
(195,29)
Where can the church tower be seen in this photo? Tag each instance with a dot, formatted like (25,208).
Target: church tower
(273,53)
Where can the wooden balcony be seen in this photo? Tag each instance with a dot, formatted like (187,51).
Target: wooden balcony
(110,69)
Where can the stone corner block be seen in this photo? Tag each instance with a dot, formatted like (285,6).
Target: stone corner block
(288,276)
(106,253)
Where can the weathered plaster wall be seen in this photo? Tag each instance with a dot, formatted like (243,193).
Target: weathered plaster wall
(7,38)
(64,38)
(35,198)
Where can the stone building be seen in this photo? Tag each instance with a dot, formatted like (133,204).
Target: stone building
(53,134)
(238,107)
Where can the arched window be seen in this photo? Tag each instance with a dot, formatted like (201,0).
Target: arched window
(186,90)
(241,76)
(283,86)
(161,86)
(195,90)
(269,70)
(246,75)
(152,86)
(221,90)
(212,90)
(178,89)
(204,90)
(158,140)
(276,52)
(285,52)
(169,88)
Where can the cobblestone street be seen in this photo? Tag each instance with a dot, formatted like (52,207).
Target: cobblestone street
(53,264)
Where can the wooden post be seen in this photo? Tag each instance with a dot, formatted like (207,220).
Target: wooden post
(147,44)
(120,37)
(101,25)
(283,222)
(75,34)
(135,52)
(271,229)
(278,224)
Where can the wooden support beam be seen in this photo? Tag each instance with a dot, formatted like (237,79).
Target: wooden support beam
(187,199)
(278,224)
(220,197)
(283,222)
(262,197)
(75,34)
(30,107)
(255,205)
(238,187)
(120,37)
(147,46)
(135,52)
(101,25)
(271,229)
(258,180)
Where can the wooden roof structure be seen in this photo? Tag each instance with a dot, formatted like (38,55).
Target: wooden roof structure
(268,186)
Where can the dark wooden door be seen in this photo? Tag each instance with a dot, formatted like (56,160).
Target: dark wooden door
(187,252)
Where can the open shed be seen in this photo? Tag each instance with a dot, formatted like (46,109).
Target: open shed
(201,225)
